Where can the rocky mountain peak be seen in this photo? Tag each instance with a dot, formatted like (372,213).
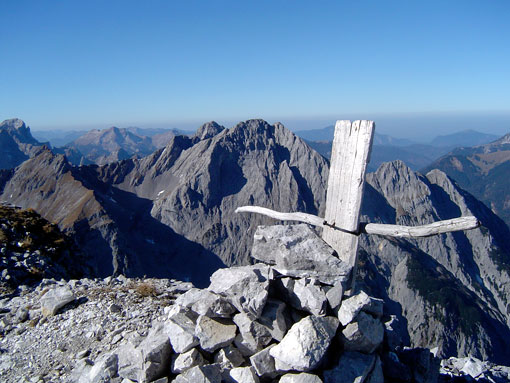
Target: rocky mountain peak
(208,130)
(18,130)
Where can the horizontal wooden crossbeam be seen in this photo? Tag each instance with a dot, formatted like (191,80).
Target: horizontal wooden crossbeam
(439,227)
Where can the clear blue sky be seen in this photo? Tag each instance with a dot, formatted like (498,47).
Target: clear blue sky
(98,63)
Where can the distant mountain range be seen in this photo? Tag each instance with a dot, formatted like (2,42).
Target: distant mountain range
(171,213)
(386,148)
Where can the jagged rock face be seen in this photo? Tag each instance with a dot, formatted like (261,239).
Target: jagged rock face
(197,182)
(456,283)
(16,143)
(253,163)
(110,145)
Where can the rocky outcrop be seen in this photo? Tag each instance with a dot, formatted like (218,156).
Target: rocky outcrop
(16,143)
(31,249)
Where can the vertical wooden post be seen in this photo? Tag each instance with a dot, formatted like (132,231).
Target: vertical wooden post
(349,157)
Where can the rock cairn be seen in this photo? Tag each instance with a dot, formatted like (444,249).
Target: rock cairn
(285,319)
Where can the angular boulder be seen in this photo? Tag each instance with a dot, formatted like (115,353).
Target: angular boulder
(353,367)
(229,357)
(243,375)
(352,306)
(187,360)
(364,334)
(181,332)
(204,302)
(273,318)
(246,287)
(255,335)
(214,333)
(306,343)
(304,294)
(54,299)
(297,251)
(210,373)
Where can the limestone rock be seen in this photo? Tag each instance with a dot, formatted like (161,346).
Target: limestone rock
(186,360)
(181,331)
(204,302)
(364,334)
(264,363)
(255,335)
(303,377)
(304,294)
(306,343)
(54,299)
(103,370)
(243,375)
(353,367)
(334,295)
(273,317)
(296,251)
(210,373)
(229,357)
(214,333)
(352,306)
(246,287)
(147,361)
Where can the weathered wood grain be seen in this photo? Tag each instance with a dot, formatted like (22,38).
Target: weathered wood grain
(349,158)
(439,227)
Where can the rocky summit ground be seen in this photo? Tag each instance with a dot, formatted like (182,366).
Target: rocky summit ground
(99,314)
(286,319)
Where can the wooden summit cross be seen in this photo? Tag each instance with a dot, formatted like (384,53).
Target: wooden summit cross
(341,227)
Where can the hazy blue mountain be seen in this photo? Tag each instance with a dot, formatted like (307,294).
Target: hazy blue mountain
(327,133)
(58,137)
(463,138)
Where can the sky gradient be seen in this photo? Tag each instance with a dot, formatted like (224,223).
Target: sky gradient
(67,64)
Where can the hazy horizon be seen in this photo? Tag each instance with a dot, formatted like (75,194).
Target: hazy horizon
(415,127)
(419,69)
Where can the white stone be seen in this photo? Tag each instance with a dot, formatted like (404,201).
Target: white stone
(304,294)
(181,331)
(184,361)
(246,287)
(205,302)
(364,334)
(296,251)
(243,375)
(54,299)
(352,306)
(303,377)
(214,333)
(229,357)
(210,373)
(306,343)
